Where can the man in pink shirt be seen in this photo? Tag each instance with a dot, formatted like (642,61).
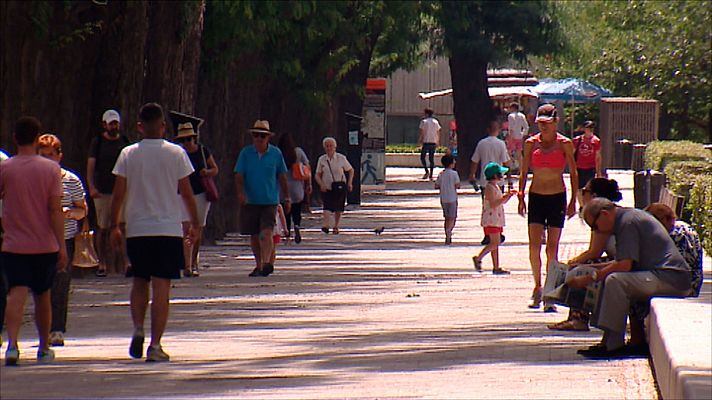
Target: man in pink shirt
(587,152)
(33,246)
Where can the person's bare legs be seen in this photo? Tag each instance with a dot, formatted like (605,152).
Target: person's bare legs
(187,250)
(491,247)
(337,219)
(139,302)
(102,247)
(266,244)
(449,226)
(552,244)
(196,248)
(159,308)
(43,317)
(13,313)
(256,250)
(326,219)
(535,231)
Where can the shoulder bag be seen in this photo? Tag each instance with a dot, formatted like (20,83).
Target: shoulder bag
(211,189)
(339,186)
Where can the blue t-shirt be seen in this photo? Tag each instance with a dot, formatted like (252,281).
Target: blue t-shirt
(260,174)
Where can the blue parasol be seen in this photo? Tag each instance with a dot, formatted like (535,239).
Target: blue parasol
(569,89)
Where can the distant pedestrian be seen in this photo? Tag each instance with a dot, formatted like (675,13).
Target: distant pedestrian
(147,175)
(429,137)
(3,284)
(74,208)
(203,165)
(103,152)
(258,169)
(452,139)
(518,129)
(334,175)
(33,246)
(298,188)
(587,152)
(489,150)
(448,182)
(492,219)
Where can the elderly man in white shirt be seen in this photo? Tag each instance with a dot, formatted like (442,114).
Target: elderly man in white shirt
(429,138)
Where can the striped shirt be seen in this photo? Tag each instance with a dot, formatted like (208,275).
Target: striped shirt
(73,192)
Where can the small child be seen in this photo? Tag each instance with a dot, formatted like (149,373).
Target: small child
(493,216)
(448,182)
(280,230)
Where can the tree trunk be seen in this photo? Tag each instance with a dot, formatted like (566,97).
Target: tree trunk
(472,105)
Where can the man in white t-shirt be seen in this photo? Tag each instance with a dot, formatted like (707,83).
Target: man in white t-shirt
(518,129)
(147,175)
(429,138)
(488,150)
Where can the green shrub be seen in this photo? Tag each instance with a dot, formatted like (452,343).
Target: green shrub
(659,153)
(410,148)
(693,180)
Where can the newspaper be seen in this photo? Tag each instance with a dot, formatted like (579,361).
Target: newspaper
(556,289)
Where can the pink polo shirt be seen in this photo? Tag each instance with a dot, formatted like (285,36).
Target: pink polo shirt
(26,185)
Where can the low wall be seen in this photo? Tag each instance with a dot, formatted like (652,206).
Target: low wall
(408,160)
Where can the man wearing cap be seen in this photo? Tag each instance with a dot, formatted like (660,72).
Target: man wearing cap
(103,152)
(587,152)
(258,167)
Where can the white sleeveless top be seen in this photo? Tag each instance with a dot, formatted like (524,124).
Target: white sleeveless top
(492,216)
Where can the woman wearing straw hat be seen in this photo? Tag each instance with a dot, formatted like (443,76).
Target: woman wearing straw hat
(204,165)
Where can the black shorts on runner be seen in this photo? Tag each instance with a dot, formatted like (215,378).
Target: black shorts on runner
(585,175)
(156,256)
(35,271)
(254,218)
(547,209)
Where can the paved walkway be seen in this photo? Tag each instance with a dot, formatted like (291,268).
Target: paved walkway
(354,315)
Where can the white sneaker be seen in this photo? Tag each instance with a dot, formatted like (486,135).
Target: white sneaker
(45,356)
(156,354)
(56,339)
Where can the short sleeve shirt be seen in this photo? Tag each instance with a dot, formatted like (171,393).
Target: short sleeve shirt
(152,168)
(644,240)
(72,192)
(338,166)
(585,150)
(447,182)
(105,155)
(430,126)
(489,149)
(27,184)
(517,125)
(260,172)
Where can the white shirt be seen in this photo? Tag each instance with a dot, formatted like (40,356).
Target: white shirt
(152,168)
(518,125)
(447,182)
(431,126)
(339,165)
(489,149)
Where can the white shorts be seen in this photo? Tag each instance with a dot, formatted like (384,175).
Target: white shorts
(102,206)
(203,206)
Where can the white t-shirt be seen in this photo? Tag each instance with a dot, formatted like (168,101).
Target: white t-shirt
(518,125)
(152,168)
(431,126)
(489,149)
(339,165)
(447,182)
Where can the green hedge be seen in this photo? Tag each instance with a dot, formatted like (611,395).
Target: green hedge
(659,153)
(693,180)
(410,148)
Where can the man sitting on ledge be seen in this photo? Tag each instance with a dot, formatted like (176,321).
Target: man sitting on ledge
(647,265)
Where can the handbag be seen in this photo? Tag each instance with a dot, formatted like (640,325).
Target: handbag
(339,186)
(211,189)
(84,251)
(301,172)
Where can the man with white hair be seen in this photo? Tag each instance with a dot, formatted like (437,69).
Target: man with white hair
(647,264)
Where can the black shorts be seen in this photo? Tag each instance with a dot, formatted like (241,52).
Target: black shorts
(254,218)
(334,200)
(585,175)
(156,256)
(547,209)
(35,271)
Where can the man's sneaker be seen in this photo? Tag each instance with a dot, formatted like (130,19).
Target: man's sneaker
(45,356)
(12,355)
(136,347)
(156,354)
(267,269)
(56,339)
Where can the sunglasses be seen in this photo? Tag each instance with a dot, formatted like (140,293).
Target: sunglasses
(260,135)
(594,224)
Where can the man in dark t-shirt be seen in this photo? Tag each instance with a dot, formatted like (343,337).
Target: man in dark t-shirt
(103,152)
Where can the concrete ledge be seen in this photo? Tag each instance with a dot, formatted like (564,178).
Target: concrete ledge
(680,333)
(408,160)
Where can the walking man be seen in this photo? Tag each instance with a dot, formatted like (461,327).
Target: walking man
(147,175)
(256,172)
(103,152)
(429,138)
(518,129)
(33,244)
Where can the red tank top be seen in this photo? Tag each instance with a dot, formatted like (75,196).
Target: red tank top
(553,157)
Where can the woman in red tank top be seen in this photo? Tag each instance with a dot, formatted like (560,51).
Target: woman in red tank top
(547,153)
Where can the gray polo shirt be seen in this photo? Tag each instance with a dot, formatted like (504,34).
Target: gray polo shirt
(641,238)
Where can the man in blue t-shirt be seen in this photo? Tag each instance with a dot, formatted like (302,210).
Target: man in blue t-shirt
(647,264)
(256,172)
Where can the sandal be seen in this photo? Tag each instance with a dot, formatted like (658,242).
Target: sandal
(478,264)
(101,273)
(536,299)
(569,325)
(500,271)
